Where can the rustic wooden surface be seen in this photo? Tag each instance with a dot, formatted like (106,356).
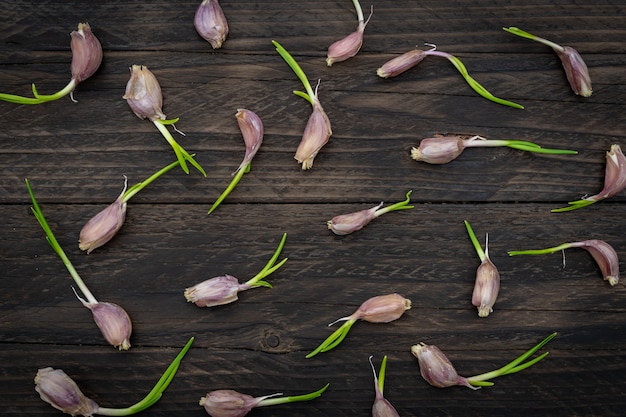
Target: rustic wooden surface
(75,155)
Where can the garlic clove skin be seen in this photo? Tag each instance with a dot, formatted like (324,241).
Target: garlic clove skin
(210,23)
(615,174)
(383,408)
(383,308)
(400,64)
(61,392)
(315,136)
(486,287)
(228,403)
(347,47)
(576,71)
(103,226)
(113,322)
(605,256)
(215,291)
(251,128)
(436,368)
(345,224)
(143,94)
(438,150)
(86,53)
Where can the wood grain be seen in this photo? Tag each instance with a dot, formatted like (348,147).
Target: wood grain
(75,156)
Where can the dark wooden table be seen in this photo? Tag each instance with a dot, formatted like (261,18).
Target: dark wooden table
(75,156)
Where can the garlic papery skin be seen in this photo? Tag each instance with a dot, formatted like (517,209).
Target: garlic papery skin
(401,63)
(350,45)
(345,224)
(605,256)
(486,287)
(113,322)
(347,47)
(615,173)
(103,226)
(214,292)
(383,308)
(576,71)
(438,150)
(251,128)
(228,403)
(143,94)
(61,392)
(436,368)
(316,134)
(86,53)
(210,23)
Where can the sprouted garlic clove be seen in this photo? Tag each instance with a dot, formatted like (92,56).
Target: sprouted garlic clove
(438,371)
(230,403)
(349,46)
(351,222)
(487,283)
(614,181)
(444,149)
(602,252)
(224,289)
(86,59)
(575,68)
(379,309)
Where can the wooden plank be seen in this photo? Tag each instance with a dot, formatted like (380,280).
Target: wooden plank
(75,155)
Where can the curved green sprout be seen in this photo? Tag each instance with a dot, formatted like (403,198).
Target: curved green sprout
(257,280)
(130,193)
(231,187)
(512,367)
(180,152)
(293,398)
(479,250)
(157,391)
(522,145)
(471,81)
(522,33)
(39,98)
(380,380)
(574,205)
(540,251)
(57,247)
(402,205)
(310,95)
(335,338)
